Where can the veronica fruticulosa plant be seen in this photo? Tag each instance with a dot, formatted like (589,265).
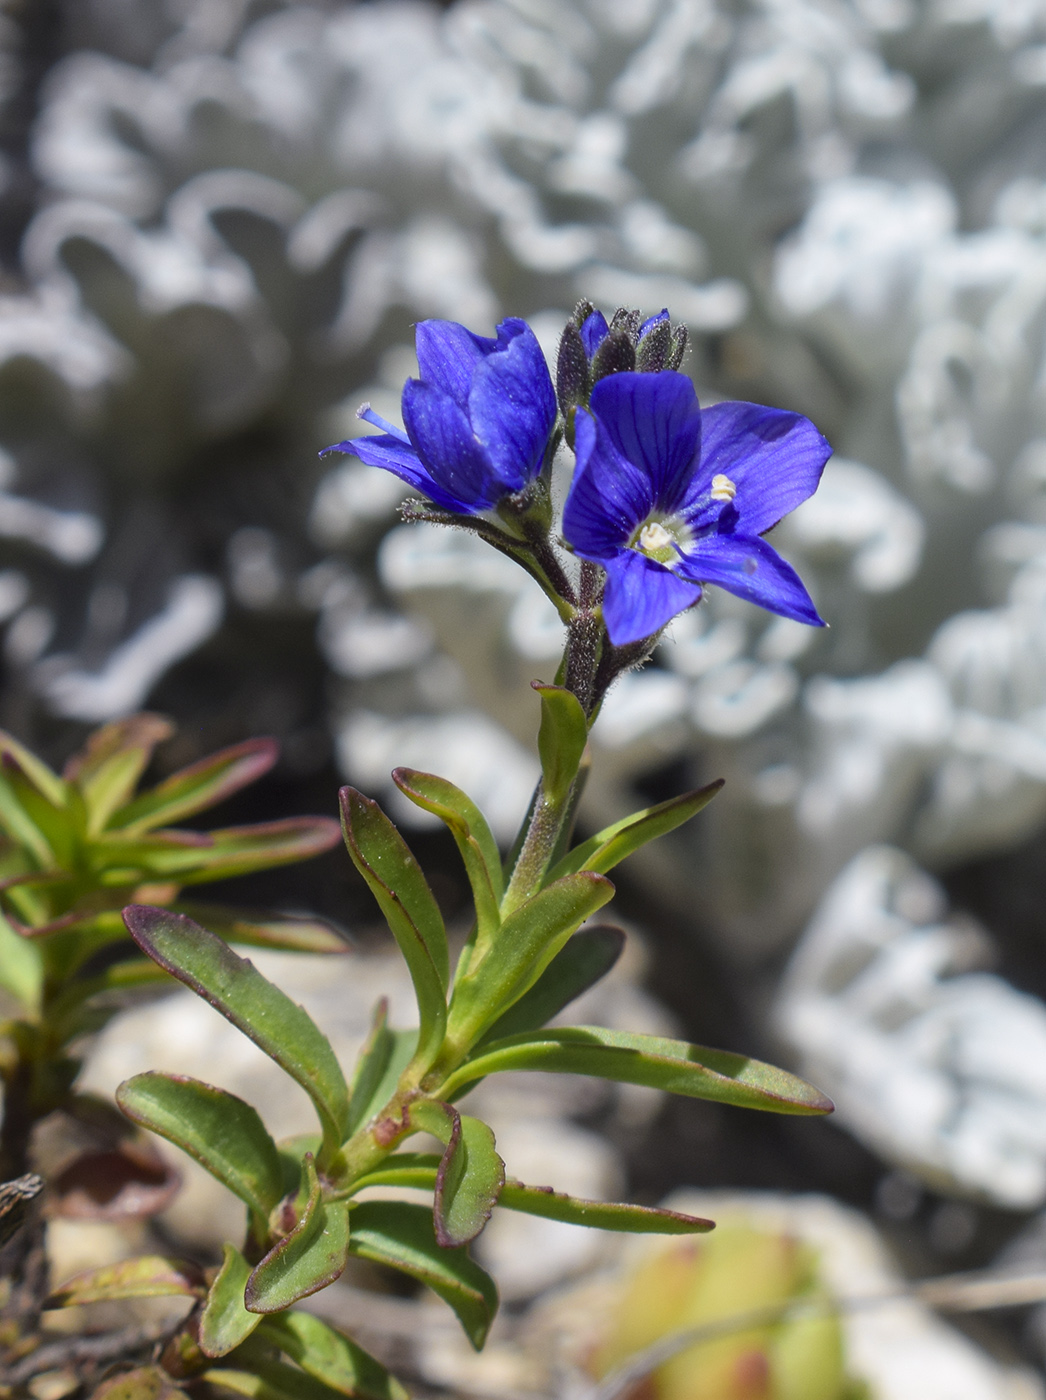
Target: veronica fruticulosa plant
(666,498)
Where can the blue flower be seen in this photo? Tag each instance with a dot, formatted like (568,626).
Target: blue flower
(668,497)
(478,420)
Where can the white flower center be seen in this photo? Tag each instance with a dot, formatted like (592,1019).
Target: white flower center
(653,537)
(723,489)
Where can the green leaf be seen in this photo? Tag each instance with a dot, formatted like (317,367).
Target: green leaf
(471,833)
(19,826)
(611,845)
(413,1169)
(235,987)
(203,784)
(108,768)
(269,1380)
(382,1060)
(470,1173)
(671,1065)
(21,967)
(216,1128)
(600,1215)
(528,941)
(312,1256)
(293,933)
(561,739)
(196,857)
(579,964)
(143,1383)
(46,782)
(149,1276)
(403,1237)
(330,1357)
(225,1322)
(384,860)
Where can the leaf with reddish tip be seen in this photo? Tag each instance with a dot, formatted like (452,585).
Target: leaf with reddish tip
(579,964)
(611,845)
(473,837)
(149,1276)
(107,769)
(217,1129)
(403,1237)
(330,1357)
(470,1173)
(225,1322)
(673,1066)
(203,784)
(292,933)
(195,857)
(312,1256)
(600,1215)
(528,941)
(395,879)
(235,987)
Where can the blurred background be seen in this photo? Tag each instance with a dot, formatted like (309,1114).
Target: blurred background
(219,220)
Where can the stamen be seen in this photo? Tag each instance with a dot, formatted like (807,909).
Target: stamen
(369,416)
(723,489)
(654,536)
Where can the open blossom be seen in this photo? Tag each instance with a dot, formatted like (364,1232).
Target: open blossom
(668,497)
(477,420)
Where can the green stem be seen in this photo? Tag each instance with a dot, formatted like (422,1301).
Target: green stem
(581,665)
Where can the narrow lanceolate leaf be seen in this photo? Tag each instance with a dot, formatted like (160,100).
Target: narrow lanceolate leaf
(330,1357)
(384,1057)
(219,1130)
(225,1322)
(49,784)
(235,987)
(16,823)
(149,1276)
(413,1169)
(312,1256)
(587,957)
(21,967)
(601,1215)
(384,860)
(611,845)
(292,933)
(201,785)
(671,1065)
(196,857)
(473,837)
(561,739)
(267,1380)
(402,1236)
(108,767)
(470,1174)
(529,939)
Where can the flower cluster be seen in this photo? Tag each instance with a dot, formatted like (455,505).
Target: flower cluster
(666,496)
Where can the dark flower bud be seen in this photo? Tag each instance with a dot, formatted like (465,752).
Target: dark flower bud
(626,320)
(572,380)
(617,353)
(680,343)
(654,348)
(582,312)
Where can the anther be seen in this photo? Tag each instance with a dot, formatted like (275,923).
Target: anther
(723,489)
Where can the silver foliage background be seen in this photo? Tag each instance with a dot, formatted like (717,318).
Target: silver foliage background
(220,220)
